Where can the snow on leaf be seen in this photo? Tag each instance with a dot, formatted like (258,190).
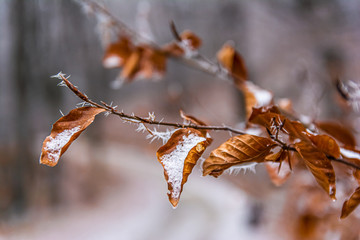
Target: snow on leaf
(237,150)
(319,165)
(255,97)
(65,131)
(178,157)
(351,204)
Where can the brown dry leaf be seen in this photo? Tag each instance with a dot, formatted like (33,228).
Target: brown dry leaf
(196,122)
(266,117)
(173,49)
(65,131)
(233,62)
(339,132)
(117,53)
(178,157)
(237,150)
(319,165)
(190,39)
(132,65)
(356,174)
(278,176)
(152,63)
(326,144)
(351,204)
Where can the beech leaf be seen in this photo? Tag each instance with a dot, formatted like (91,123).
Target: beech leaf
(319,165)
(65,131)
(117,53)
(339,132)
(193,41)
(237,150)
(178,157)
(232,61)
(351,204)
(326,144)
(278,173)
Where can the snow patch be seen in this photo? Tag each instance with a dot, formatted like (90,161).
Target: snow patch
(54,145)
(174,162)
(349,154)
(262,96)
(112,61)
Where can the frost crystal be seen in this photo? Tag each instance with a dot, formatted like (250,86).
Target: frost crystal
(234,170)
(54,145)
(174,162)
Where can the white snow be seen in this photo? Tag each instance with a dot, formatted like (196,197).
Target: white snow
(174,161)
(262,96)
(349,154)
(54,145)
(112,61)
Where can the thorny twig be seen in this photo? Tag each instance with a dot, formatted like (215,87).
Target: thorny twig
(196,61)
(137,119)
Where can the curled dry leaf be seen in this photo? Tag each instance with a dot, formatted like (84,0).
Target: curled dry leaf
(65,131)
(152,64)
(278,172)
(232,61)
(351,204)
(319,165)
(268,117)
(142,61)
(117,53)
(190,39)
(339,132)
(326,144)
(178,157)
(195,121)
(237,150)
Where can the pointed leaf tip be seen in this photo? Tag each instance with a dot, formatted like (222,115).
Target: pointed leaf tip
(178,157)
(65,131)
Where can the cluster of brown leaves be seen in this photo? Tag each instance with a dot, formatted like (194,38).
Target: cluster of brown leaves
(146,61)
(285,142)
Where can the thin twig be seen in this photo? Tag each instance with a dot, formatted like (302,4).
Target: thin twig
(138,119)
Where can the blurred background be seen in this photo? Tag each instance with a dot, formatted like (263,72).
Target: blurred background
(109,184)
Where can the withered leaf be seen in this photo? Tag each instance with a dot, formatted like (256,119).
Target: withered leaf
(152,63)
(319,165)
(232,61)
(190,38)
(117,53)
(326,144)
(351,204)
(237,150)
(65,131)
(339,132)
(267,117)
(132,65)
(178,157)
(195,121)
(278,173)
